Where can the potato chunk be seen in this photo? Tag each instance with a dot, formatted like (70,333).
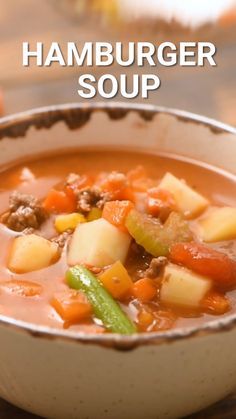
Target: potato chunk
(98,243)
(188,201)
(182,287)
(218,225)
(30,253)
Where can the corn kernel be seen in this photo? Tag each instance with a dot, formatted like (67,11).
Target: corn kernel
(68,221)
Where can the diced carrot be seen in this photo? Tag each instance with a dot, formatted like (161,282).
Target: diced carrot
(116,212)
(215,303)
(70,192)
(136,174)
(205,261)
(145,319)
(117,281)
(144,290)
(126,194)
(160,203)
(72,306)
(59,201)
(113,183)
(116,185)
(23,288)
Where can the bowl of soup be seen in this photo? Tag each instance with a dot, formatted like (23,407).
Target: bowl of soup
(118,261)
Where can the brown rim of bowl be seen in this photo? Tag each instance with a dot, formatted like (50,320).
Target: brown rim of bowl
(75,115)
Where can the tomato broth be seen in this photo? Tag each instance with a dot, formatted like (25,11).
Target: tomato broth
(144,295)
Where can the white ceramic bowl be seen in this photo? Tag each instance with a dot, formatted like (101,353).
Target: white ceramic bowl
(61,374)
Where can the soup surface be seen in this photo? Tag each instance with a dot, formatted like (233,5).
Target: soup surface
(113,241)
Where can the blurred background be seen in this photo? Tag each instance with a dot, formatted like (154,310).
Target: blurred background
(208,90)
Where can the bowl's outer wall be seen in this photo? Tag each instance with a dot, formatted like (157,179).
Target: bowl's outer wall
(59,378)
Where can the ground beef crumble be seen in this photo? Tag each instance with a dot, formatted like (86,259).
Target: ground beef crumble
(62,238)
(155,267)
(91,197)
(25,213)
(94,196)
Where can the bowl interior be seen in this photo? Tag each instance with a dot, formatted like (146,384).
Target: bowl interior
(143,129)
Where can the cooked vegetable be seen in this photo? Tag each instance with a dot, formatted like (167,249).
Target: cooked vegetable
(141,251)
(145,319)
(30,253)
(22,288)
(72,306)
(59,201)
(160,203)
(68,221)
(115,212)
(188,201)
(127,194)
(147,232)
(156,238)
(220,224)
(98,243)
(205,261)
(104,306)
(215,303)
(177,229)
(183,288)
(117,281)
(116,185)
(144,289)
(94,214)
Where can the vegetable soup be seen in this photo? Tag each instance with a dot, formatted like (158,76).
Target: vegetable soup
(116,241)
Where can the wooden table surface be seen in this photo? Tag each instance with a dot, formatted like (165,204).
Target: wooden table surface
(209,91)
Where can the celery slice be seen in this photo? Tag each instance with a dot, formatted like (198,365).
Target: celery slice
(154,237)
(176,229)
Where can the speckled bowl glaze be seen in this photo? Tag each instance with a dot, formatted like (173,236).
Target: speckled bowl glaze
(62,374)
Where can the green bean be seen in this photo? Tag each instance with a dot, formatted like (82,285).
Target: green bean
(104,306)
